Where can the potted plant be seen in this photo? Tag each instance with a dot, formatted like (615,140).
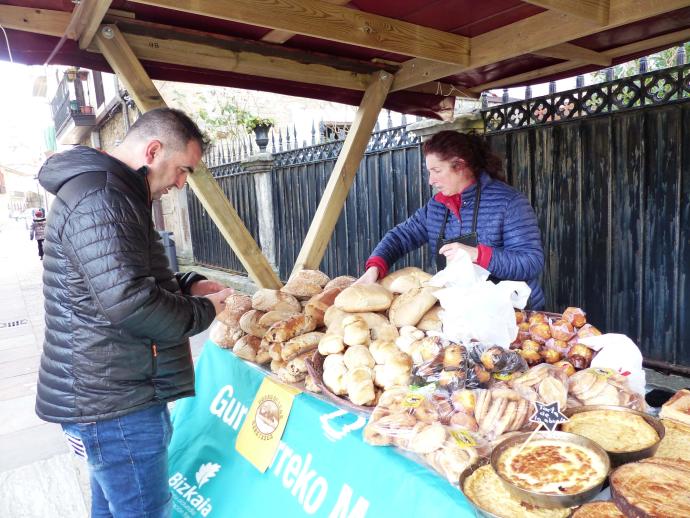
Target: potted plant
(74,106)
(260,126)
(87,110)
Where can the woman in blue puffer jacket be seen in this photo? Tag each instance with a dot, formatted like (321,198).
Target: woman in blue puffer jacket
(473,210)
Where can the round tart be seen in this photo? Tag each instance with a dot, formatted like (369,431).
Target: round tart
(598,510)
(613,430)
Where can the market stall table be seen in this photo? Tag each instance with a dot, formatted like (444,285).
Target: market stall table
(322,468)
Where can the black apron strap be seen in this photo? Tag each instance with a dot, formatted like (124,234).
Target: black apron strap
(470,239)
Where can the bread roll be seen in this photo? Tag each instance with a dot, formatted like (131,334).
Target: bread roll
(333,316)
(331,344)
(410,307)
(274,300)
(355,331)
(379,326)
(298,365)
(382,350)
(409,281)
(318,304)
(275,350)
(341,282)
(271,317)
(431,320)
(301,290)
(247,347)
(358,356)
(364,297)
(334,371)
(311,385)
(395,372)
(311,277)
(223,335)
(276,365)
(249,323)
(288,377)
(360,386)
(391,277)
(429,438)
(236,305)
(301,344)
(262,356)
(293,326)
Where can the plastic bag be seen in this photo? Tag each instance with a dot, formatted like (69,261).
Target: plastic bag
(448,368)
(601,386)
(544,383)
(499,410)
(618,352)
(475,308)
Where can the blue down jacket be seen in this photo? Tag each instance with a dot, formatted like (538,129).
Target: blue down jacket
(117,319)
(506,222)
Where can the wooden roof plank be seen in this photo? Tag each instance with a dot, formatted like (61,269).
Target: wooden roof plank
(592,10)
(122,59)
(40,21)
(568,51)
(85,20)
(335,23)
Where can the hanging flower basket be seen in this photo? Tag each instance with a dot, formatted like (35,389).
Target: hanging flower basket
(82,75)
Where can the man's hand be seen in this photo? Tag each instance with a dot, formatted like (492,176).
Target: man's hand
(219,297)
(451,249)
(205,287)
(369,277)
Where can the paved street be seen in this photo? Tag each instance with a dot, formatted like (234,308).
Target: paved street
(38,476)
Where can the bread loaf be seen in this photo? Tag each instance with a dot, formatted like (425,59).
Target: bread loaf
(382,350)
(301,290)
(331,344)
(297,366)
(334,370)
(341,282)
(275,350)
(355,331)
(274,300)
(223,335)
(236,305)
(364,297)
(332,316)
(293,326)
(247,347)
(262,356)
(431,320)
(311,277)
(358,356)
(403,272)
(409,281)
(271,317)
(301,344)
(379,326)
(318,304)
(410,307)
(249,323)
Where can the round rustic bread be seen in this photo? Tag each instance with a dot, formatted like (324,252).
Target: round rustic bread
(410,307)
(364,297)
(274,300)
(342,282)
(403,272)
(236,305)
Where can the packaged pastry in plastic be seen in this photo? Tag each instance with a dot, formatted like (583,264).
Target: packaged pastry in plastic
(499,410)
(597,386)
(545,383)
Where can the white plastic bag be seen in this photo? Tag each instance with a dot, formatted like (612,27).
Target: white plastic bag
(475,308)
(618,352)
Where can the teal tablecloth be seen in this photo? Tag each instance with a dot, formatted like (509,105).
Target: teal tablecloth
(323,467)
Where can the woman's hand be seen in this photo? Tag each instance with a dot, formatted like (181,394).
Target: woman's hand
(369,277)
(451,249)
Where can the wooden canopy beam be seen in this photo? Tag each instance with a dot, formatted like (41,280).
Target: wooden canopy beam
(40,21)
(333,22)
(530,35)
(86,18)
(592,10)
(343,175)
(124,62)
(573,52)
(632,48)
(281,36)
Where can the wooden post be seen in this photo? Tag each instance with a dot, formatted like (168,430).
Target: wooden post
(128,68)
(343,174)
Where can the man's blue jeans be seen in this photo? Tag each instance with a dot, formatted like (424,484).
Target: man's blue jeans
(128,463)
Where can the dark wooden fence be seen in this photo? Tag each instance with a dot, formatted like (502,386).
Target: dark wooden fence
(611,190)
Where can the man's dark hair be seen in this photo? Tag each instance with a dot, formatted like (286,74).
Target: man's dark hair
(170,126)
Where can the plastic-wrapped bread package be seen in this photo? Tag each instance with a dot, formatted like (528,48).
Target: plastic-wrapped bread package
(544,383)
(598,386)
(448,368)
(500,409)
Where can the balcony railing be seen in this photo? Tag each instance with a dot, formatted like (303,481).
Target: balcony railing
(67,106)
(60,105)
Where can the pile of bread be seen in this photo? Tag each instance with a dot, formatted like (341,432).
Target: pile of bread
(365,351)
(544,338)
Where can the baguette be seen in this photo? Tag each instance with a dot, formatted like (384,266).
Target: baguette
(289,328)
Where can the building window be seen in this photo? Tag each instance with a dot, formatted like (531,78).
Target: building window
(331,130)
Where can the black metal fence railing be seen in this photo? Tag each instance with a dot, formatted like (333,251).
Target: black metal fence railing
(649,89)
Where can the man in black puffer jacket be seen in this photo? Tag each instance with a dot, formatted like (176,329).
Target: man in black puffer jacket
(118,320)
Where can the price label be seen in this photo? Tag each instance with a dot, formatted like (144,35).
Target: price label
(549,416)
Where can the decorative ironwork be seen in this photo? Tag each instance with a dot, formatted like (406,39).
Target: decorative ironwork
(658,87)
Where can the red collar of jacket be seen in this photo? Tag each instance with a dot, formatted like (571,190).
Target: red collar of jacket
(453,202)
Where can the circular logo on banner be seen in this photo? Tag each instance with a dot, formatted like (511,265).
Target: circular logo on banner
(268,415)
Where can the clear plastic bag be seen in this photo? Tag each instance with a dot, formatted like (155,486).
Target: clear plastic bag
(544,383)
(600,386)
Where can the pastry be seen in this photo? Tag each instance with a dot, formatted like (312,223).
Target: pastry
(613,430)
(598,510)
(676,441)
(678,407)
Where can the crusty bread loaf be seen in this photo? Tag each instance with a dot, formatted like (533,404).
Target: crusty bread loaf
(247,347)
(274,300)
(272,317)
(678,407)
(301,344)
(364,297)
(652,488)
(318,304)
(310,277)
(341,282)
(403,272)
(431,320)
(249,323)
(410,307)
(224,335)
(301,290)
(287,329)
(409,281)
(333,315)
(236,305)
